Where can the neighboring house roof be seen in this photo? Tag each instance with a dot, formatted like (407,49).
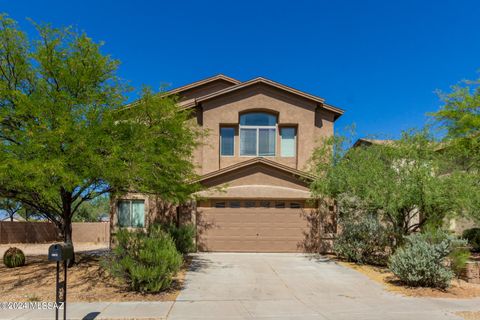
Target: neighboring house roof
(194,102)
(369,142)
(257,160)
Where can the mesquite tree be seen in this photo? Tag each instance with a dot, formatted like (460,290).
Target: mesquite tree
(65,137)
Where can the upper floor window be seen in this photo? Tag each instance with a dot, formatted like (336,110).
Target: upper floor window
(227,136)
(258,134)
(131,213)
(287,142)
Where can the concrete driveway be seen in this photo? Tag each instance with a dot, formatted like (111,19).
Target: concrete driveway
(292,286)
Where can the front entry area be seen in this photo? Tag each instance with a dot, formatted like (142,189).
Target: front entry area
(252,225)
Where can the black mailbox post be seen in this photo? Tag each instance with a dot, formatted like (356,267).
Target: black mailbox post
(61,252)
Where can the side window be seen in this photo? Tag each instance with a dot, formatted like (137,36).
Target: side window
(288,138)
(131,213)
(227,144)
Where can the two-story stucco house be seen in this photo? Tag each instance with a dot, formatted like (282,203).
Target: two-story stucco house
(252,165)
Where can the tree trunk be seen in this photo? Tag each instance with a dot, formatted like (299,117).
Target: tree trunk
(67,222)
(67,237)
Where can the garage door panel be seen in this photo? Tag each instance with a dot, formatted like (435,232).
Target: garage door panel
(254,229)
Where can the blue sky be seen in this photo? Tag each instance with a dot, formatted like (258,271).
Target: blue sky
(381,61)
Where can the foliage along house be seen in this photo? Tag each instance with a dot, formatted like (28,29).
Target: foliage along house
(252,166)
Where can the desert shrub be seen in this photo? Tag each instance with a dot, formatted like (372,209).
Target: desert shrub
(362,240)
(458,259)
(422,261)
(13,258)
(183,236)
(473,237)
(145,261)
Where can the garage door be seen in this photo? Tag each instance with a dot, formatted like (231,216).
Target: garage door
(252,226)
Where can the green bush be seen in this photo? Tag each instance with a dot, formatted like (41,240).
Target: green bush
(13,258)
(473,237)
(422,261)
(183,236)
(458,259)
(145,261)
(362,241)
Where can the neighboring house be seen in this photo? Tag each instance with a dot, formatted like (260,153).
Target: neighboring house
(252,166)
(456,225)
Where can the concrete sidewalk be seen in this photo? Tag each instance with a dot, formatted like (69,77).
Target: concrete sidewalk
(97,311)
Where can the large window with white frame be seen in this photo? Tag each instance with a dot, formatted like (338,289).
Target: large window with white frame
(258,133)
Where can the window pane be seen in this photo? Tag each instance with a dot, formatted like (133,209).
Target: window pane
(288,142)
(124,213)
(265,204)
(249,204)
(295,205)
(258,119)
(226,141)
(219,204)
(248,142)
(138,214)
(280,204)
(266,142)
(234,204)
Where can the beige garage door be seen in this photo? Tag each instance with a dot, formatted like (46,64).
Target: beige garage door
(252,226)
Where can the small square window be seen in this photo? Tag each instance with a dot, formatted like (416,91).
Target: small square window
(280,204)
(219,204)
(265,204)
(295,205)
(249,204)
(234,204)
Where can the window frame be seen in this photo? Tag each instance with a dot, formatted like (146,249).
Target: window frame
(257,140)
(221,141)
(130,211)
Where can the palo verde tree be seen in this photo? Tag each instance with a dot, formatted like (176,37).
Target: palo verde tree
(460,117)
(400,182)
(66,139)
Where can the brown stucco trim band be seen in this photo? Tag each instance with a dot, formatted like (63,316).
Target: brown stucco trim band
(256,160)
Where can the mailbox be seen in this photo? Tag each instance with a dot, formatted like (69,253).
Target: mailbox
(60,252)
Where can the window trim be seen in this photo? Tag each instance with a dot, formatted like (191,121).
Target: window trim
(220,134)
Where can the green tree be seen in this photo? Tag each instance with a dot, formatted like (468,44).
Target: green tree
(400,182)
(65,137)
(460,117)
(94,210)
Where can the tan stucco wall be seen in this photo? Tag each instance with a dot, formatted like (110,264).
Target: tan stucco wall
(312,122)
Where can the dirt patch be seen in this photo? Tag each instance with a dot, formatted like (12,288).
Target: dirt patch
(469,315)
(87,281)
(33,249)
(459,289)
